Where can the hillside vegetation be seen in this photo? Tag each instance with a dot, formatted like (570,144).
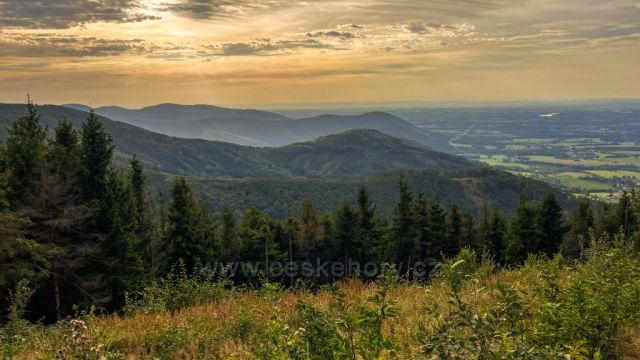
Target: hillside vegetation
(546,309)
(353,154)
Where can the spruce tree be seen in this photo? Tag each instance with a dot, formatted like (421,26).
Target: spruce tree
(347,245)
(421,220)
(452,246)
(495,241)
(551,226)
(438,227)
(367,225)
(524,233)
(403,232)
(229,236)
(189,236)
(581,222)
(469,233)
(309,232)
(25,150)
(95,157)
(118,215)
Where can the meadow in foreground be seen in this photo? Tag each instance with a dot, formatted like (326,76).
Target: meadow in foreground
(544,309)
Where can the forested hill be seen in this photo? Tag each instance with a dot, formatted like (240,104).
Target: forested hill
(471,190)
(261,128)
(350,155)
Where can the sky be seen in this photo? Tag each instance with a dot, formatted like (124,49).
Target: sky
(263,53)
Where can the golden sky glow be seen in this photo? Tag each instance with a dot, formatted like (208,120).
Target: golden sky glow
(266,52)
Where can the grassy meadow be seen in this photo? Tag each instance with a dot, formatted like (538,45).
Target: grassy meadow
(545,309)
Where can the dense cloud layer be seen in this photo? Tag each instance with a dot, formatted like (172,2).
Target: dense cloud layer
(58,14)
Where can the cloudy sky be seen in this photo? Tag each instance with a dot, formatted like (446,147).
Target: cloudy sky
(266,52)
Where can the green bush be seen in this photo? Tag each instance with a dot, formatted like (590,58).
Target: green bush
(178,290)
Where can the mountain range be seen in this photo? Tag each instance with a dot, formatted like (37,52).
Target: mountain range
(327,170)
(260,128)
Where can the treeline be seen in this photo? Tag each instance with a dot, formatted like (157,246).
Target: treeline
(83,232)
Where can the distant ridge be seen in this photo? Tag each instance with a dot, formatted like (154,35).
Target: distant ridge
(349,155)
(260,128)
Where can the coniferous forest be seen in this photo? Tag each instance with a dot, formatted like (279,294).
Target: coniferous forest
(94,265)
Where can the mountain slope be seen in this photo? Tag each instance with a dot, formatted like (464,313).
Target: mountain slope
(355,154)
(469,189)
(260,128)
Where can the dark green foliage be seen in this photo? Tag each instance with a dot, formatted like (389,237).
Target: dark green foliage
(523,235)
(95,157)
(229,236)
(190,236)
(454,222)
(403,232)
(468,233)
(347,237)
(25,149)
(118,219)
(438,228)
(551,226)
(369,237)
(581,223)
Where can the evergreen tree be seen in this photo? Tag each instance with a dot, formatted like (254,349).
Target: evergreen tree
(63,152)
(524,233)
(625,215)
(95,157)
(438,228)
(138,183)
(551,226)
(468,233)
(452,246)
(118,215)
(256,238)
(229,236)
(367,217)
(421,219)
(495,241)
(581,222)
(347,244)
(25,150)
(309,231)
(403,232)
(58,225)
(189,236)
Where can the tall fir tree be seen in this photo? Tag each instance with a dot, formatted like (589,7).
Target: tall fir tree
(469,233)
(438,227)
(25,151)
(524,233)
(452,246)
(403,232)
(581,222)
(551,226)
(309,232)
(229,236)
(347,246)
(118,216)
(368,234)
(189,236)
(421,220)
(95,157)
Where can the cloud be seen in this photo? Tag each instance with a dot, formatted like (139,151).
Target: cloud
(60,14)
(447,30)
(333,34)
(212,9)
(55,45)
(266,47)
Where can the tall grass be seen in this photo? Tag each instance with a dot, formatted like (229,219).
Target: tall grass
(546,309)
